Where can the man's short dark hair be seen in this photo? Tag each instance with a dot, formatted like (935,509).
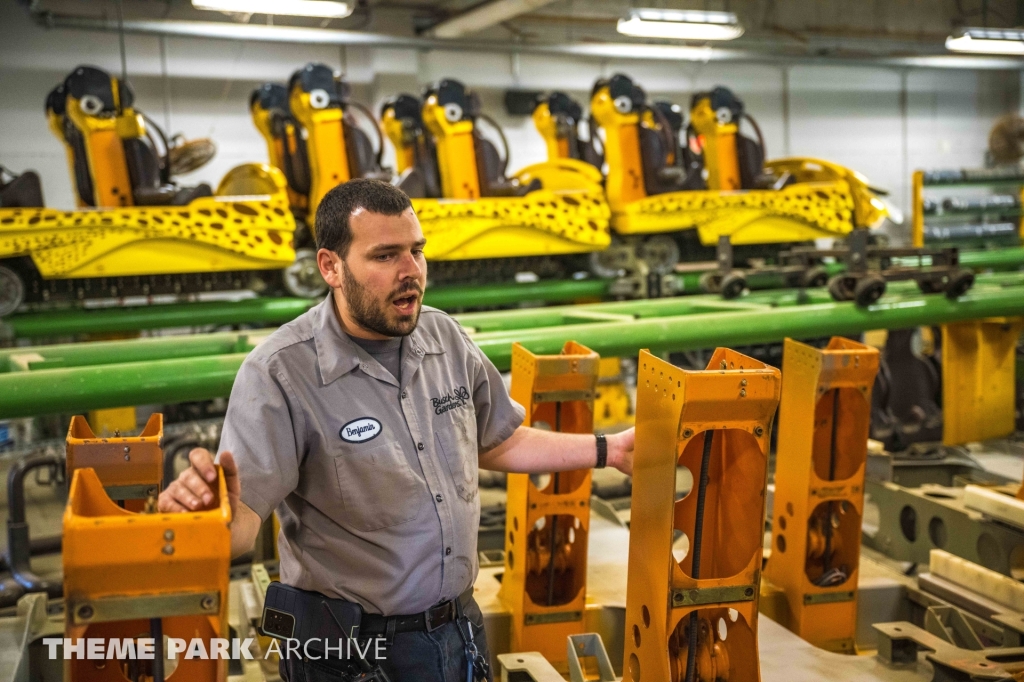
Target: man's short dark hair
(332,229)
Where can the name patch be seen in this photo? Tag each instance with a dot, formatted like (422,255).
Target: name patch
(360,430)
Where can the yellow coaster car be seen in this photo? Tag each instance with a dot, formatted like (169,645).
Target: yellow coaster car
(136,232)
(718,183)
(467,206)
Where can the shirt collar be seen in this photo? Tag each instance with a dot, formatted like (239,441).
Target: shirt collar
(337,354)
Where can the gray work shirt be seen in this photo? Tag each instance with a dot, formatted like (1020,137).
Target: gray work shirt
(375,482)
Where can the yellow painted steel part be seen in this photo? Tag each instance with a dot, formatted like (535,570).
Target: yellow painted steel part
(824,419)
(720,157)
(210,234)
(979,379)
(735,399)
(456,152)
(401,139)
(541,223)
(325,145)
(123,568)
(625,182)
(548,127)
(544,584)
(799,212)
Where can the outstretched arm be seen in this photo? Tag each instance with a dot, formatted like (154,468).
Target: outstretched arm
(534,451)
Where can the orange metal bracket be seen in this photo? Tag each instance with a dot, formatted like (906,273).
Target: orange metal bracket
(824,418)
(130,468)
(129,575)
(545,589)
(694,617)
(125,573)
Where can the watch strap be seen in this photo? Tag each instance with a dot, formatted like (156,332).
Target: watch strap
(602,451)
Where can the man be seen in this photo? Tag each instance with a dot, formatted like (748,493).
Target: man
(363,423)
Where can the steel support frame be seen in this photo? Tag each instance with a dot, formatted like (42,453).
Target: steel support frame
(545,578)
(913,521)
(696,617)
(824,419)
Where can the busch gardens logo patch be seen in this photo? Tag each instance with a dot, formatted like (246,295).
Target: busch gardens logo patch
(457,398)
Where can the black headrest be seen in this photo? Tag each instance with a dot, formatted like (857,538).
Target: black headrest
(451,91)
(406,108)
(721,98)
(270,96)
(56,100)
(89,80)
(561,103)
(672,112)
(320,77)
(621,85)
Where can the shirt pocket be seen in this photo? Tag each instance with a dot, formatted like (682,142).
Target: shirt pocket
(456,439)
(378,487)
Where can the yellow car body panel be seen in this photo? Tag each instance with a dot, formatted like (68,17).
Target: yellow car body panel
(796,213)
(544,222)
(210,234)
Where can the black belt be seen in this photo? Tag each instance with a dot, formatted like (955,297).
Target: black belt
(374,625)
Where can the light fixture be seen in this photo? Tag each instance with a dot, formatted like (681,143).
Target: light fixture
(987,41)
(681,24)
(297,8)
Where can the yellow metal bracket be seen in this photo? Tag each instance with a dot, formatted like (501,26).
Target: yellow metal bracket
(544,583)
(819,488)
(978,379)
(132,576)
(691,605)
(130,468)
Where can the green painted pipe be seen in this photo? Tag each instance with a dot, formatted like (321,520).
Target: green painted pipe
(80,389)
(272,311)
(15,360)
(708,330)
(267,311)
(109,374)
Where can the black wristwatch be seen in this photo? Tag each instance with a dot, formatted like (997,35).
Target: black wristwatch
(602,451)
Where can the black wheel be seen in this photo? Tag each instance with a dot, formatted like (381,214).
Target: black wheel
(815,277)
(12,291)
(841,287)
(710,282)
(868,290)
(931,286)
(959,282)
(733,285)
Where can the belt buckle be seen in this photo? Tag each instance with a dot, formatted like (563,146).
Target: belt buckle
(429,619)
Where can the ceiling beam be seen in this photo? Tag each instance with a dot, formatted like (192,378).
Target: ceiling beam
(484,16)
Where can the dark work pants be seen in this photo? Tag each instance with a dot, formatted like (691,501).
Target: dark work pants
(437,656)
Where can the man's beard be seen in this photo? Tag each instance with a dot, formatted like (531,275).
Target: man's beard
(372,314)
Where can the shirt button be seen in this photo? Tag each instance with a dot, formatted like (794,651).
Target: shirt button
(403,395)
(438,497)
(419,446)
(447,551)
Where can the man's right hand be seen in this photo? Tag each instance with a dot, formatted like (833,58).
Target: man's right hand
(195,489)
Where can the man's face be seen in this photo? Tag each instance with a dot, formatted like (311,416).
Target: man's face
(382,278)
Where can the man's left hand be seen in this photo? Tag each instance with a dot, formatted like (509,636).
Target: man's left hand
(620,450)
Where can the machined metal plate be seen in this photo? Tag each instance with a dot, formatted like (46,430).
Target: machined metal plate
(713,595)
(561,396)
(133,607)
(899,643)
(558,617)
(829,597)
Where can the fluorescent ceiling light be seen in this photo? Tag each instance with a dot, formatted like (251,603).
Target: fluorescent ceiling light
(987,41)
(681,24)
(295,8)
